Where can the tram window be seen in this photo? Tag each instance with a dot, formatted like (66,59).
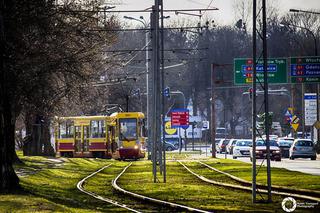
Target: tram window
(128,129)
(98,129)
(66,130)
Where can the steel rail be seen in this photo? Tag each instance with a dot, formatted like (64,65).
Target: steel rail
(249,189)
(279,188)
(80,187)
(153,200)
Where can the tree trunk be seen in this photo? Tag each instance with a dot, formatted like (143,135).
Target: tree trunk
(46,140)
(8,178)
(28,148)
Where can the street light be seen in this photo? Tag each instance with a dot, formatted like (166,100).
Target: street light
(315,53)
(143,21)
(306,29)
(303,11)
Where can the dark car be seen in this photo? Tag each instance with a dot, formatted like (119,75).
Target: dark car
(284,145)
(175,142)
(222,146)
(261,150)
(169,146)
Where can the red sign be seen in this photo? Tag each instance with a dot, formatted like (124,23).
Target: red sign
(180,118)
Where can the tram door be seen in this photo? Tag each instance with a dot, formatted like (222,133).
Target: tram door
(78,139)
(81,138)
(85,140)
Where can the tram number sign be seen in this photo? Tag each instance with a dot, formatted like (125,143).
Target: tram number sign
(180,118)
(276,70)
(305,70)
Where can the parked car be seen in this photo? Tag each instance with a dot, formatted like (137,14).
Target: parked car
(230,145)
(169,146)
(242,148)
(261,150)
(221,132)
(175,142)
(221,147)
(284,145)
(302,148)
(216,142)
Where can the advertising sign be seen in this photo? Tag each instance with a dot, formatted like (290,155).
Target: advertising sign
(180,118)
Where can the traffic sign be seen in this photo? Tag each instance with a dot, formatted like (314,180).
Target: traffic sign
(205,125)
(180,118)
(288,114)
(277,70)
(295,119)
(310,108)
(305,69)
(317,124)
(295,126)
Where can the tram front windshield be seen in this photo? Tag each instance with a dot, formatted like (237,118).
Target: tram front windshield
(128,129)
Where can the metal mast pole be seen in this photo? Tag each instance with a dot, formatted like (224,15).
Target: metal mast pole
(148,90)
(266,101)
(254,99)
(154,95)
(213,118)
(162,97)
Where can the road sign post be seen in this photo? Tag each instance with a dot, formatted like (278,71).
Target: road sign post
(243,70)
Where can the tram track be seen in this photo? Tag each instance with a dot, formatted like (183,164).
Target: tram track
(152,200)
(245,187)
(274,187)
(113,202)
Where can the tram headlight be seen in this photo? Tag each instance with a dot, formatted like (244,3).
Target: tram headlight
(136,147)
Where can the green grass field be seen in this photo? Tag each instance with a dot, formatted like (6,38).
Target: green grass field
(49,185)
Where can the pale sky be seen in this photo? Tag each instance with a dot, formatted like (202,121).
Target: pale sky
(225,14)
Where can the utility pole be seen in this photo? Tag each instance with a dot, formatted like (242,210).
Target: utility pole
(266,101)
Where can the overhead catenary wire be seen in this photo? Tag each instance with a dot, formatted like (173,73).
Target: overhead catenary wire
(166,50)
(140,11)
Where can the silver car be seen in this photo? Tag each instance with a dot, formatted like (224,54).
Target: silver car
(302,148)
(242,148)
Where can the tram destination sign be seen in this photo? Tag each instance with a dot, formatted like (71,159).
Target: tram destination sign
(305,70)
(277,70)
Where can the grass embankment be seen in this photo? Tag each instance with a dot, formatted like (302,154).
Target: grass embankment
(50,186)
(279,176)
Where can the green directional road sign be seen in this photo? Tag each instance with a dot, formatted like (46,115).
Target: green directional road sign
(277,70)
(305,70)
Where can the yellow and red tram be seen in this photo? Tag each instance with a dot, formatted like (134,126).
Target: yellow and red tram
(120,136)
(130,134)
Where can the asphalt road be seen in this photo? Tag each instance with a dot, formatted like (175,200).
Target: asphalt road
(301,165)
